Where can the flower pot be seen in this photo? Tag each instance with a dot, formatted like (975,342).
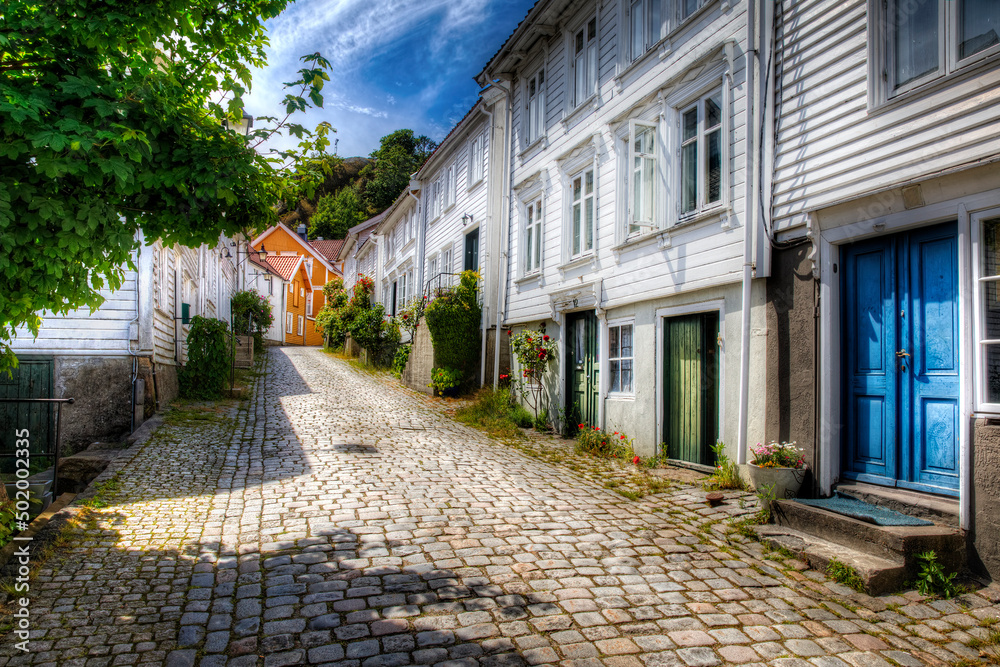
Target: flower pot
(784,482)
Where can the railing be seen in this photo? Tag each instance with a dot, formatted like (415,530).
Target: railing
(52,451)
(443,281)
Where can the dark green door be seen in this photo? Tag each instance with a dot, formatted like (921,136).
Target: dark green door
(582,376)
(690,378)
(31,379)
(471,262)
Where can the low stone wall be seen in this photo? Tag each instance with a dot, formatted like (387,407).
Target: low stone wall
(102,391)
(984,538)
(417,374)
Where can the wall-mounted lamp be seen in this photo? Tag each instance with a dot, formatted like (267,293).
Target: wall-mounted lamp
(466,218)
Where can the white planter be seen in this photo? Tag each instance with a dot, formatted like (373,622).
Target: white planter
(784,482)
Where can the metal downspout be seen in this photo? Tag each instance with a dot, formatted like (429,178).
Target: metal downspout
(504,231)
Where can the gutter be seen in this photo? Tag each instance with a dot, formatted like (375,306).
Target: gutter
(484,323)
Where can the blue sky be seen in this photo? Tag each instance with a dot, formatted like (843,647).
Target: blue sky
(396,63)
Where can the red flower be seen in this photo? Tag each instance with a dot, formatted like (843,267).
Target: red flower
(581,425)
(541,355)
(545,337)
(623,436)
(635,460)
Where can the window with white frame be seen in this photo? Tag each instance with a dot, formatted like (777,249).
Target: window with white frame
(533,236)
(922,40)
(642,177)
(309,304)
(432,267)
(646,25)
(701,177)
(582,212)
(412,291)
(302,325)
(477,159)
(620,357)
(446,265)
(688,7)
(988,313)
(289,322)
(585,62)
(534,126)
(270,286)
(450,187)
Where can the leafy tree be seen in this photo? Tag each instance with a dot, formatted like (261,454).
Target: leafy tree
(112,117)
(335,214)
(397,157)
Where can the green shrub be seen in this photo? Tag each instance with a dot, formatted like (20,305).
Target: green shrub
(932,579)
(252,316)
(727,473)
(399,360)
(520,415)
(495,412)
(446,380)
(454,320)
(542,421)
(210,359)
(592,440)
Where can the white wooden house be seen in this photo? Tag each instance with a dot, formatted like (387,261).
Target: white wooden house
(359,254)
(138,333)
(885,357)
(629,239)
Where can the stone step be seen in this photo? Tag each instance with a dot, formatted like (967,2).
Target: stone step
(939,509)
(894,543)
(879,575)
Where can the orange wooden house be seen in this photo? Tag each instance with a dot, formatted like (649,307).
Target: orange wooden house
(307,268)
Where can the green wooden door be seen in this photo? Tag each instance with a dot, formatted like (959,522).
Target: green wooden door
(31,379)
(582,376)
(690,377)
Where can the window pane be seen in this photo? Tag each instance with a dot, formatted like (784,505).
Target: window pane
(916,43)
(690,124)
(991,248)
(591,69)
(992,358)
(588,225)
(613,342)
(979,23)
(626,381)
(616,376)
(589,182)
(538,244)
(991,310)
(638,44)
(580,94)
(713,175)
(713,111)
(654,21)
(689,177)
(647,190)
(688,7)
(626,340)
(579,42)
(576,228)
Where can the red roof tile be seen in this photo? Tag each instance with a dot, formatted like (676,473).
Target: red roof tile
(328,248)
(285,265)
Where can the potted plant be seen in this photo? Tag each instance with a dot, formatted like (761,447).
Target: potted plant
(778,467)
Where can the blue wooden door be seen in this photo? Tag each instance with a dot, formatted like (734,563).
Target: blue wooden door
(901,350)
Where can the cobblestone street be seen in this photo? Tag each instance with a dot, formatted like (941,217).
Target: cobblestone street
(336,518)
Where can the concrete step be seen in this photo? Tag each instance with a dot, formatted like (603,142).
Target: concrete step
(941,510)
(894,543)
(880,575)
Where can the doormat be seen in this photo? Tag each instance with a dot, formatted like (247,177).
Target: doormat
(841,503)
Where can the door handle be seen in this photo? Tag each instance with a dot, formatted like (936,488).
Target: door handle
(902,355)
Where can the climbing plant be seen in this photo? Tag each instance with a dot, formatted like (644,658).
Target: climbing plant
(210,359)
(454,320)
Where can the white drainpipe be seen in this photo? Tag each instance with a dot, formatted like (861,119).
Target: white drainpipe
(504,217)
(749,213)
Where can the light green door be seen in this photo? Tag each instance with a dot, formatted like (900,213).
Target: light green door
(690,376)
(582,376)
(31,379)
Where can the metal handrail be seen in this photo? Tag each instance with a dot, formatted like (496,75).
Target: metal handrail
(54,449)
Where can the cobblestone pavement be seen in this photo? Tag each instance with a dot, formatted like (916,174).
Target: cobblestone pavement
(335,518)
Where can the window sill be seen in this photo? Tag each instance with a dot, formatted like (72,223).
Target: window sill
(719,212)
(528,278)
(617,396)
(475,184)
(592,103)
(540,142)
(935,84)
(640,239)
(582,260)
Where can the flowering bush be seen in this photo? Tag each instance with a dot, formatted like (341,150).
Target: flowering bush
(252,316)
(774,455)
(615,445)
(446,380)
(408,318)
(533,350)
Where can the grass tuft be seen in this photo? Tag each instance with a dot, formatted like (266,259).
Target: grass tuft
(495,412)
(845,574)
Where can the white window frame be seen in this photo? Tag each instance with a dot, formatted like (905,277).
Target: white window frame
(650,21)
(533,228)
(650,225)
(309,304)
(584,64)
(617,324)
(681,17)
(534,107)
(289,322)
(302,326)
(447,264)
(432,266)
(702,205)
(881,49)
(477,160)
(981,393)
(582,203)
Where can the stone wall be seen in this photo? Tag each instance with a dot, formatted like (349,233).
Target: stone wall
(417,374)
(984,537)
(102,391)
(791,400)
(167,385)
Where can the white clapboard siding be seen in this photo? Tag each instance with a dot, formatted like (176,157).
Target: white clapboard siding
(830,148)
(700,255)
